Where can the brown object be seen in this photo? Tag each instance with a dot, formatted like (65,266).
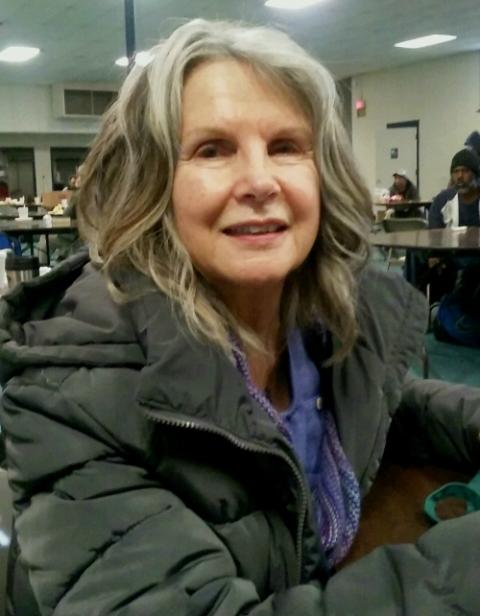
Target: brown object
(451,507)
(51,199)
(392,512)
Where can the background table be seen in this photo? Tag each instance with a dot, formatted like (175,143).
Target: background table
(430,239)
(30,228)
(402,204)
(392,512)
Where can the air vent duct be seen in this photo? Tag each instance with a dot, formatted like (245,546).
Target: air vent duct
(81,101)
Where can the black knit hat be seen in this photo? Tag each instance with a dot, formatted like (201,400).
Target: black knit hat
(466,158)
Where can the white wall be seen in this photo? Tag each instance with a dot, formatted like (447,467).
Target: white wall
(28,109)
(27,120)
(443,95)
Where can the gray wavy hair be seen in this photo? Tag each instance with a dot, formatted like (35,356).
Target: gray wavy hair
(125,209)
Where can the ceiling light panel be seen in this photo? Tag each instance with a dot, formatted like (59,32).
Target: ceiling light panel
(18,54)
(291,5)
(426,41)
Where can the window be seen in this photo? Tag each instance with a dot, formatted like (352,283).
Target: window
(17,173)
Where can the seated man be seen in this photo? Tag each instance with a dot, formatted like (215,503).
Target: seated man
(458,205)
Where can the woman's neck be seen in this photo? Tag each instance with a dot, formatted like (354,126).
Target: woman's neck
(260,313)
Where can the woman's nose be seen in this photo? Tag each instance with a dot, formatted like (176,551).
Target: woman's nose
(255,181)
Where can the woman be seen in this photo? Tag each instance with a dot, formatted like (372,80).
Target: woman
(193,417)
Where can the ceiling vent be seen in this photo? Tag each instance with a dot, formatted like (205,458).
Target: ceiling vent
(81,101)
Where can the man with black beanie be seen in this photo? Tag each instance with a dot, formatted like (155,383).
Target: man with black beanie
(459,205)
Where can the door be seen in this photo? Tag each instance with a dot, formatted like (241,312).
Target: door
(396,148)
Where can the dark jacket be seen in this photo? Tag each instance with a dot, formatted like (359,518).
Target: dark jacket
(448,209)
(148,482)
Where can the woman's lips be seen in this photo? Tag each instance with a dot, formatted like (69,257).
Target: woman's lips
(254,230)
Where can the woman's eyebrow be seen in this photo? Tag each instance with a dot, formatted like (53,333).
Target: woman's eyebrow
(202,132)
(304,133)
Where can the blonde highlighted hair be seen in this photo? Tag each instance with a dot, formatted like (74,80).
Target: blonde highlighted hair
(125,210)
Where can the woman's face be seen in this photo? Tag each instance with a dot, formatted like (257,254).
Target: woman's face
(246,193)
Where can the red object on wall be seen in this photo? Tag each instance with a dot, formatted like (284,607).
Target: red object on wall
(361,107)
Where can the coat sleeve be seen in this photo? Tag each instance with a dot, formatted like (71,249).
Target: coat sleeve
(144,553)
(435,218)
(438,422)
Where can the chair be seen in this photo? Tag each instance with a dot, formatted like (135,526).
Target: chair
(392,225)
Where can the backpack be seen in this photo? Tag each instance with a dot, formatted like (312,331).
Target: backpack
(458,316)
(10,242)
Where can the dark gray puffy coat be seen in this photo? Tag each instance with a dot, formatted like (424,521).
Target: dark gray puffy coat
(147,482)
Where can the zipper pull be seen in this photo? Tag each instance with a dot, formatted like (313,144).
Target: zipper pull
(319,403)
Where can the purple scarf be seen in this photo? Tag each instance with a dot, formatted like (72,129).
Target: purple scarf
(336,496)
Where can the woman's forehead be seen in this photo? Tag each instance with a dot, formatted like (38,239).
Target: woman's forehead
(223,88)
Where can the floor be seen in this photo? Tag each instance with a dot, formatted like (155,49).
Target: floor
(447,362)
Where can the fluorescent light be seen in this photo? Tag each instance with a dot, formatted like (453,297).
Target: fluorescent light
(4,539)
(291,5)
(142,58)
(18,54)
(426,41)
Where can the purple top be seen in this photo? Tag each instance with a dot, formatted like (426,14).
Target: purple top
(313,435)
(314,438)
(304,423)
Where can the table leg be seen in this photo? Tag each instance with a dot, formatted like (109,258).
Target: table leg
(47,247)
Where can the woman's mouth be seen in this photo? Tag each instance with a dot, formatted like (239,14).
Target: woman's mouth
(255,229)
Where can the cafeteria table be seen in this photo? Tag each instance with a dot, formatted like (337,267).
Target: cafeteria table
(31,228)
(392,512)
(460,239)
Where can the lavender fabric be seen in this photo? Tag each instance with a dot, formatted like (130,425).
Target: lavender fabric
(311,430)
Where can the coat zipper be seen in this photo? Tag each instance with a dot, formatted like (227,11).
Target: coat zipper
(246,446)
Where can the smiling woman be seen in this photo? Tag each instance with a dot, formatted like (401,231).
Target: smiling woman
(193,415)
(246,192)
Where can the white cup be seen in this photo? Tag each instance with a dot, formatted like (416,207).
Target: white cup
(22,212)
(38,200)
(47,219)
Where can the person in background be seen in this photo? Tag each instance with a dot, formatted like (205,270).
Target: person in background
(403,190)
(457,276)
(72,181)
(473,142)
(194,414)
(459,205)
(70,210)
(66,244)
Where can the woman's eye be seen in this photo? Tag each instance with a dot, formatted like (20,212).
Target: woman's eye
(213,149)
(284,146)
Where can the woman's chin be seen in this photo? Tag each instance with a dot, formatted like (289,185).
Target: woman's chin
(242,279)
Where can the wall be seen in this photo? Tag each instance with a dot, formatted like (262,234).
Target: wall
(27,120)
(443,95)
(28,109)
